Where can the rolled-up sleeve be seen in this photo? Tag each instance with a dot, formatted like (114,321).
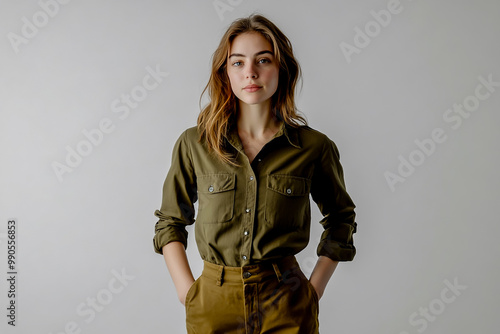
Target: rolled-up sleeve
(179,195)
(329,192)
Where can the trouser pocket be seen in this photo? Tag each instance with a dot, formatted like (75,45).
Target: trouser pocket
(191,292)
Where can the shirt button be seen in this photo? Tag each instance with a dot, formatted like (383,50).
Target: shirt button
(247,210)
(289,191)
(211,188)
(247,274)
(259,159)
(245,233)
(244,257)
(251,178)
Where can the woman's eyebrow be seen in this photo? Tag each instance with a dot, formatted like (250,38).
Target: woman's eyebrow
(257,54)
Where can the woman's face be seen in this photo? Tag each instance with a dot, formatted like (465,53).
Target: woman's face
(251,62)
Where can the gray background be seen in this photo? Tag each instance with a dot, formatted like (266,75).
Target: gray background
(438,226)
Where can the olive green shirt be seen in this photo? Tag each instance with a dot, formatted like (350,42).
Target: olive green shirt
(261,210)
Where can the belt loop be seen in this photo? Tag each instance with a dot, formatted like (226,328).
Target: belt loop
(220,275)
(277,271)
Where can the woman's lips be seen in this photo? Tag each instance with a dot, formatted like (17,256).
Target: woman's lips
(252,88)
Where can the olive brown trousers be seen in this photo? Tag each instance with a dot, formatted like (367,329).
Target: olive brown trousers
(268,297)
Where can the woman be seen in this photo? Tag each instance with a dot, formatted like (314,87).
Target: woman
(252,167)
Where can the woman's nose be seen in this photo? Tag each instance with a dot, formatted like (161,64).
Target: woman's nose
(251,72)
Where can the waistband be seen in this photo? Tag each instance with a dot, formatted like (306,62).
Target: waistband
(254,273)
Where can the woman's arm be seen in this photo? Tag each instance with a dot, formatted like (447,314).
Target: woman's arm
(321,274)
(178,267)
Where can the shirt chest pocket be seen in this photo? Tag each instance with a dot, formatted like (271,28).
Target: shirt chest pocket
(287,201)
(215,197)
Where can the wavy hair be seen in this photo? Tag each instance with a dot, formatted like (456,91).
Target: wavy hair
(218,117)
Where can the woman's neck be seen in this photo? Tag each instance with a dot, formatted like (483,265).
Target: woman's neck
(256,120)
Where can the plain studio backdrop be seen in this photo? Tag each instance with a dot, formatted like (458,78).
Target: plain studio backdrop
(93,95)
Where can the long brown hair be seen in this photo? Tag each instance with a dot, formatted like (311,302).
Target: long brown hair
(218,116)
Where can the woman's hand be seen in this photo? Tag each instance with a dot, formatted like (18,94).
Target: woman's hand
(183,292)
(321,274)
(178,266)
(319,292)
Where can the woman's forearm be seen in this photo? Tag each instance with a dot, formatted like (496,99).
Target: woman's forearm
(321,274)
(178,267)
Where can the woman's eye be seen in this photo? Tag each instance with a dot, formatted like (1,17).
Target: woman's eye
(261,61)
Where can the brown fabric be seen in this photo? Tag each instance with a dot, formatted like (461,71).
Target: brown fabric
(271,297)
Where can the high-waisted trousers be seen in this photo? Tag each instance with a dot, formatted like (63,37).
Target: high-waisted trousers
(269,297)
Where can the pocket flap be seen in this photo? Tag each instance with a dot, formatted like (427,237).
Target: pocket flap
(289,185)
(215,183)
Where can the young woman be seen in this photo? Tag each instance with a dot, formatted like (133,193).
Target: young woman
(252,167)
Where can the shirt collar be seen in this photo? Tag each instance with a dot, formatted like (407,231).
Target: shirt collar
(291,133)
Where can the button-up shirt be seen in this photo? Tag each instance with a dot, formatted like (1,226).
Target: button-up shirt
(261,210)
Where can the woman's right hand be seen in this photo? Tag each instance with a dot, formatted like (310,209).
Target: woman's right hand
(183,294)
(178,266)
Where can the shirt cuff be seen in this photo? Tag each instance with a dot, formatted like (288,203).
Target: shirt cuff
(167,235)
(330,247)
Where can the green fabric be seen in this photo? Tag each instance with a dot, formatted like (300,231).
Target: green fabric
(261,210)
